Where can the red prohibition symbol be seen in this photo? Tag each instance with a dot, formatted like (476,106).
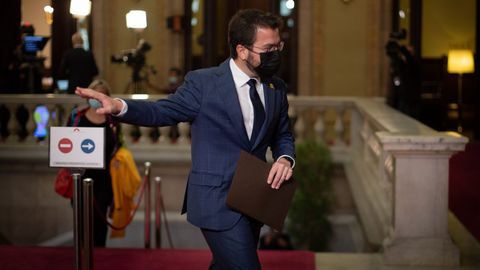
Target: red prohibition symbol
(65,145)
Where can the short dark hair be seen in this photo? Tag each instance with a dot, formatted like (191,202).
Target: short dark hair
(243,27)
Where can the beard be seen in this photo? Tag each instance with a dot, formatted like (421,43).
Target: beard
(250,63)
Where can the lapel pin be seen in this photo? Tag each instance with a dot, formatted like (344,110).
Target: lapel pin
(271,86)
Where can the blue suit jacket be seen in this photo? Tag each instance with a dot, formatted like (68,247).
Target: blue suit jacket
(209,101)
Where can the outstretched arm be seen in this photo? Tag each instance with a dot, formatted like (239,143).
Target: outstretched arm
(183,106)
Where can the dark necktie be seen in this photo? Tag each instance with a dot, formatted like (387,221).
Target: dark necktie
(258,111)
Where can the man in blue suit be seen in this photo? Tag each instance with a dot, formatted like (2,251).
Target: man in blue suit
(239,105)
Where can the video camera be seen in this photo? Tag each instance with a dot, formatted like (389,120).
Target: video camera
(134,58)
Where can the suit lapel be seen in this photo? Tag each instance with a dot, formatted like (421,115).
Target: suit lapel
(228,94)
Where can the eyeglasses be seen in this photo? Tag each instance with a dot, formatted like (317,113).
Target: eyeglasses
(271,48)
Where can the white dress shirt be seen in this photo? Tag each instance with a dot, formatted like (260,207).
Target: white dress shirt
(243,91)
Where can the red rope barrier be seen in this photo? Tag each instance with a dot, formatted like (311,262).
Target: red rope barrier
(140,197)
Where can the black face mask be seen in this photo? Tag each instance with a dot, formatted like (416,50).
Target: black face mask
(269,64)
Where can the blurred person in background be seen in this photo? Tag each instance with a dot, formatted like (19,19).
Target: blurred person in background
(78,65)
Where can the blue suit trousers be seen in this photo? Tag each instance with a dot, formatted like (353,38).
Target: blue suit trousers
(235,248)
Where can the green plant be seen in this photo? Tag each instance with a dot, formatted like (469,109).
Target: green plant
(307,218)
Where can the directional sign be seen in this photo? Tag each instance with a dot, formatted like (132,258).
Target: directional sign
(77,147)
(88,146)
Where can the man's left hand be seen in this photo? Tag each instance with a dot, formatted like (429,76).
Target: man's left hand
(280,172)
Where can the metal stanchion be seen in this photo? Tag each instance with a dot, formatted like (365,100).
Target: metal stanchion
(158,212)
(147,204)
(87,263)
(77,220)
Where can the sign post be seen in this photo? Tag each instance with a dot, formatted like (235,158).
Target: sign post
(81,148)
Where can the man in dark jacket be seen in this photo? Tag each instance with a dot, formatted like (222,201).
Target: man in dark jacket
(78,65)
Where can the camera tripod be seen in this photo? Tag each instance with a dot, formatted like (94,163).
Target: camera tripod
(139,84)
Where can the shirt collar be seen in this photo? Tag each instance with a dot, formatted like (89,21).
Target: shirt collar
(239,77)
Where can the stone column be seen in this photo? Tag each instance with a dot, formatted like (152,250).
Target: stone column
(311,48)
(420,199)
(100,34)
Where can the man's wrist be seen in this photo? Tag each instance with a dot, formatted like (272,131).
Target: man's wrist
(289,159)
(120,107)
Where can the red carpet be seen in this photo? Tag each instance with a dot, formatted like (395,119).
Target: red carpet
(43,258)
(464,188)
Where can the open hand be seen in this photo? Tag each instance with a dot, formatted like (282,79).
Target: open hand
(109,105)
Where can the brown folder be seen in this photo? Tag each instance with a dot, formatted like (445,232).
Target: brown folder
(250,194)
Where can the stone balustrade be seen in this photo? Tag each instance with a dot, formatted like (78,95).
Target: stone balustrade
(397,168)
(325,119)
(398,173)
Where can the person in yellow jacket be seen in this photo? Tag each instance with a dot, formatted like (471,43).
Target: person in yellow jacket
(125,182)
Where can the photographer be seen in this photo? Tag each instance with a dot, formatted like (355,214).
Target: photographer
(78,65)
